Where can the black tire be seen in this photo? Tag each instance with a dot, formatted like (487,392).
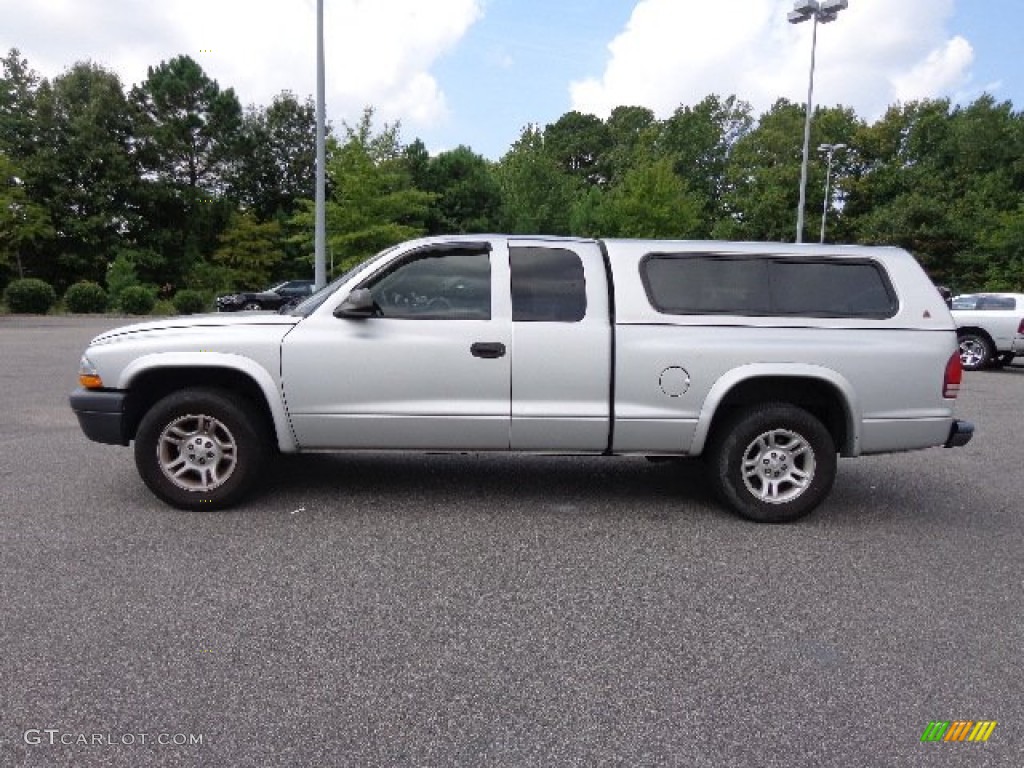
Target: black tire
(976,351)
(217,443)
(777,438)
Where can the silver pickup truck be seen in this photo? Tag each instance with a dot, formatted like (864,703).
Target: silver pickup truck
(769,360)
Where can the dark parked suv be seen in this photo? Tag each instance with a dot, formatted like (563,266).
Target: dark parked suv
(273,298)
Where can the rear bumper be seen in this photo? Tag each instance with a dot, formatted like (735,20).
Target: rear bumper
(101,414)
(960,433)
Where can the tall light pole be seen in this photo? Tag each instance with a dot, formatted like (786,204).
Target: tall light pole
(829,150)
(320,225)
(820,11)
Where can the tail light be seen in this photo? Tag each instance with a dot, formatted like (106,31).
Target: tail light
(1020,328)
(954,375)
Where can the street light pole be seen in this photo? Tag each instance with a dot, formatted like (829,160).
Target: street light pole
(818,11)
(320,225)
(829,150)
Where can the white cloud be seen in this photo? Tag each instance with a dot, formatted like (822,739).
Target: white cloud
(377,52)
(942,71)
(878,52)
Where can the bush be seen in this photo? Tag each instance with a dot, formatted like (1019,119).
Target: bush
(189,302)
(137,300)
(164,308)
(85,297)
(30,295)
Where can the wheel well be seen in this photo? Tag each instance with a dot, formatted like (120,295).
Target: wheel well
(970,329)
(817,397)
(150,386)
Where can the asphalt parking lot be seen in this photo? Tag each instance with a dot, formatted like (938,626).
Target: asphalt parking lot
(498,611)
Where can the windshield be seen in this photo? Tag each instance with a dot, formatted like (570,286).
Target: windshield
(305,308)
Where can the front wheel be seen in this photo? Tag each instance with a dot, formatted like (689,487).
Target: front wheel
(772,463)
(200,449)
(975,351)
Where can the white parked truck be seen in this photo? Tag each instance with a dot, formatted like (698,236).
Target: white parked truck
(769,360)
(990,327)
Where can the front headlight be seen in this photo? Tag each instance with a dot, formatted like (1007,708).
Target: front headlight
(88,376)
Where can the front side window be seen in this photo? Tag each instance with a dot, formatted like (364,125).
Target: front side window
(436,286)
(547,285)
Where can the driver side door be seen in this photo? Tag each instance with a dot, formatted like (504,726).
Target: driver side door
(431,369)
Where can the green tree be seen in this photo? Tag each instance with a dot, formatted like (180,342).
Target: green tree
(537,196)
(762,178)
(189,128)
(417,163)
(18,85)
(467,195)
(121,275)
(83,172)
(903,195)
(988,186)
(699,141)
(189,147)
(632,134)
(577,143)
(1003,244)
(24,224)
(652,201)
(251,249)
(277,162)
(373,203)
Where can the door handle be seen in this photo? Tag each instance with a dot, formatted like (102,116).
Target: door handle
(488,349)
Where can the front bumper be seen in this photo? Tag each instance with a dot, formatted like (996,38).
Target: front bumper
(960,433)
(101,414)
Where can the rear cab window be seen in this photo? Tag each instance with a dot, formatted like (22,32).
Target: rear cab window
(718,284)
(548,285)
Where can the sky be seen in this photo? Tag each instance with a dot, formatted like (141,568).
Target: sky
(476,72)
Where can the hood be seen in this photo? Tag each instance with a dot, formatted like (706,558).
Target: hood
(193,322)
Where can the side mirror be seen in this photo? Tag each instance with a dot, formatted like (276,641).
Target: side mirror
(359,304)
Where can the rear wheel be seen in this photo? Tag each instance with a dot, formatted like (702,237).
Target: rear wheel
(201,448)
(772,463)
(975,351)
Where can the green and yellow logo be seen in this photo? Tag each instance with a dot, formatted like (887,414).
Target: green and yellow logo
(958,730)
